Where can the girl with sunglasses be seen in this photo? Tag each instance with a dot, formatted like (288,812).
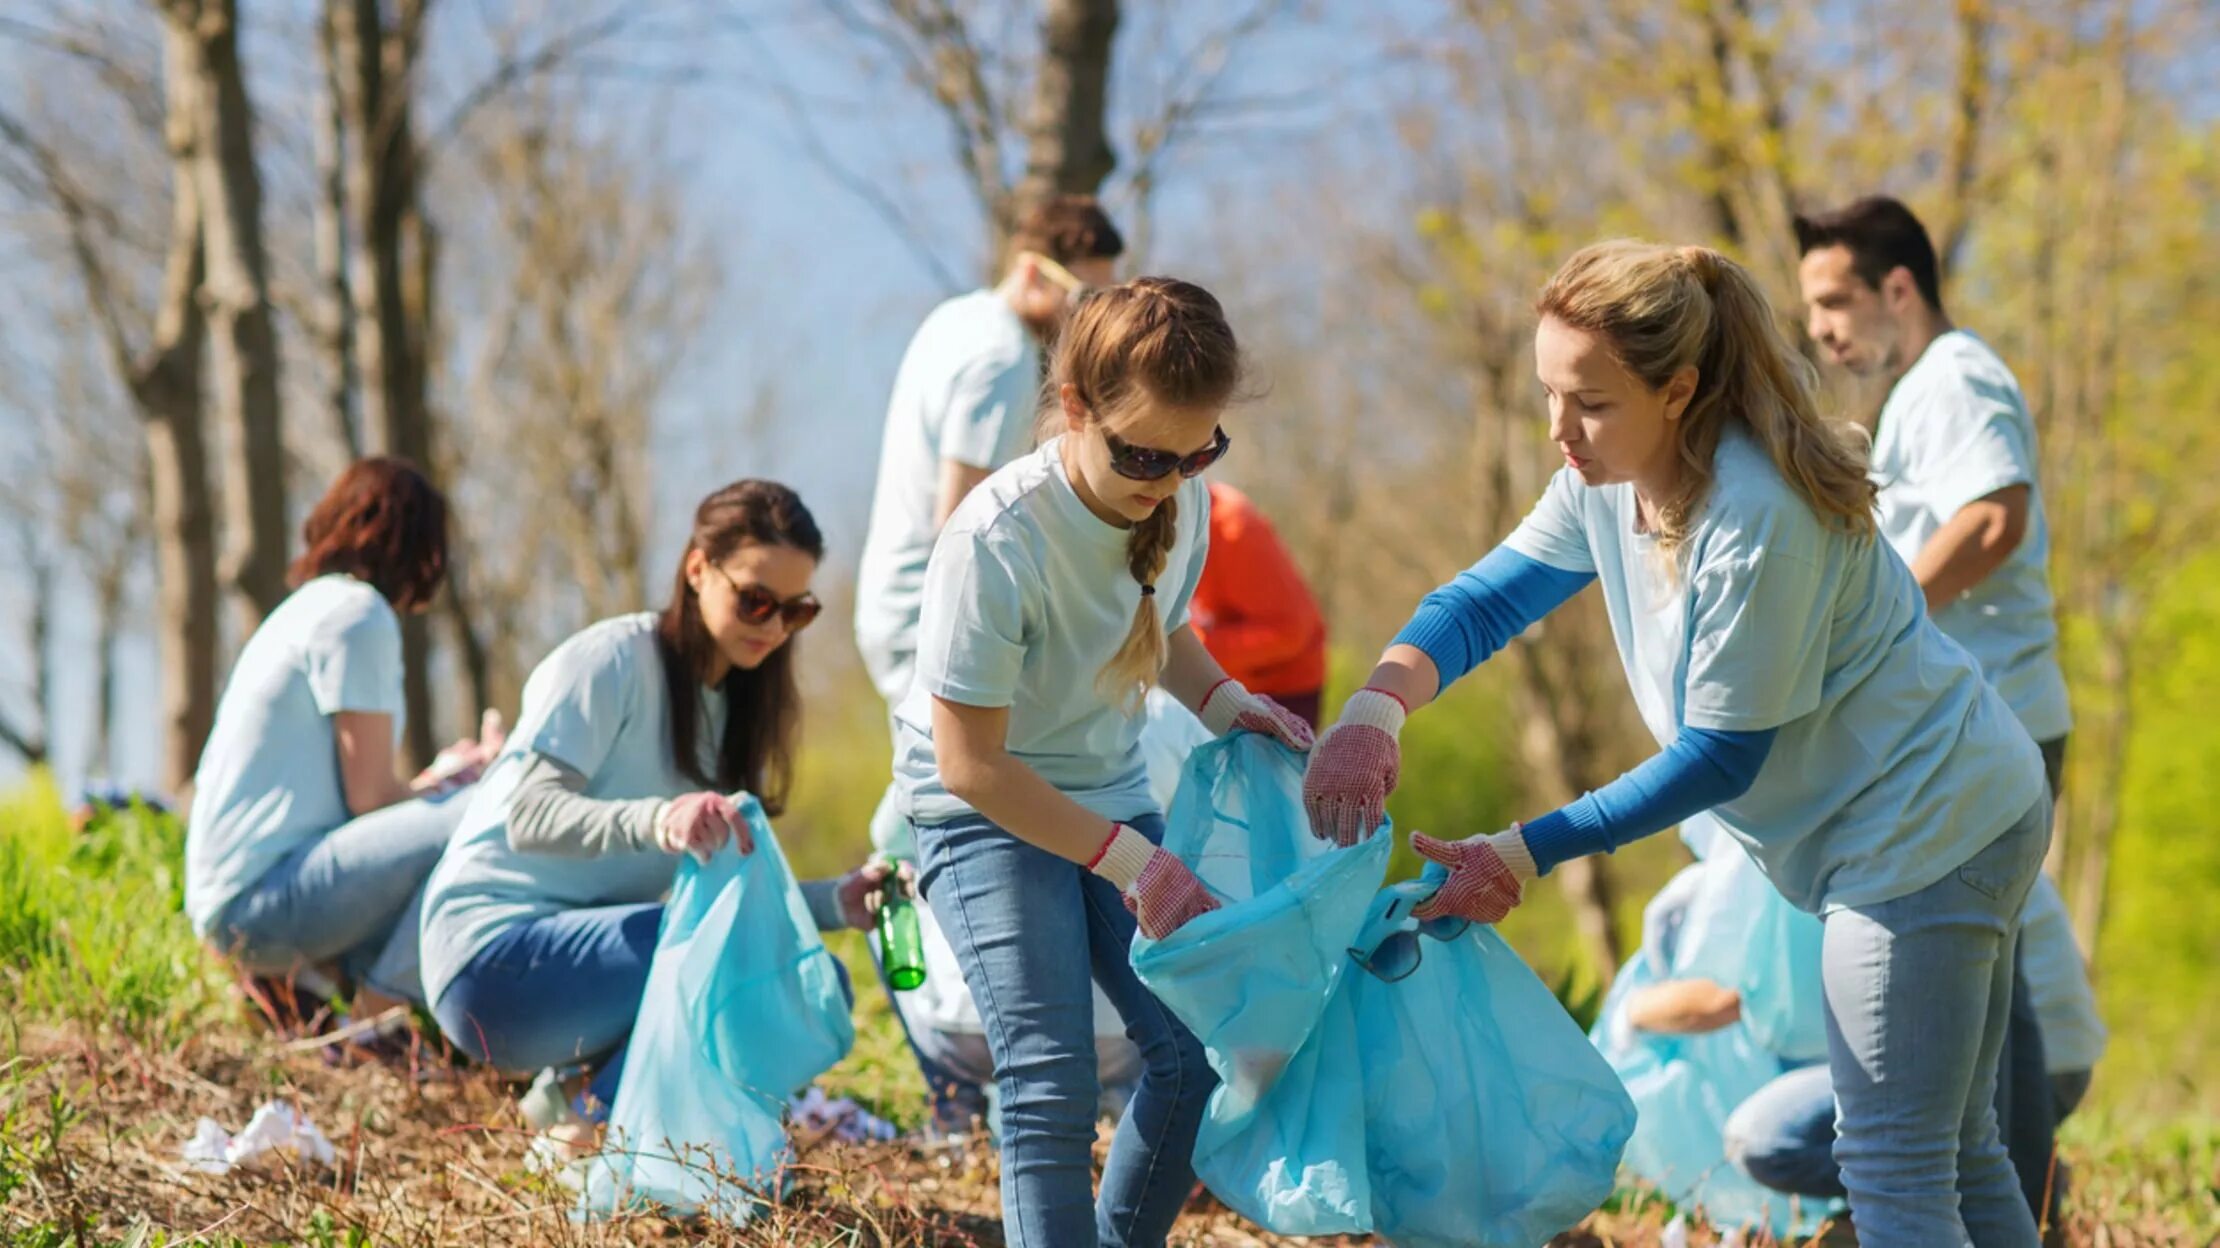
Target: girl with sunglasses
(1056,597)
(1783,657)
(542,917)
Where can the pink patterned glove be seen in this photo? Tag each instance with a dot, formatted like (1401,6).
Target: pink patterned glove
(1230,707)
(698,824)
(1487,875)
(1354,767)
(1158,888)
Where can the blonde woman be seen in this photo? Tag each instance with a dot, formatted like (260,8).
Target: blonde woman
(1782,655)
(1055,598)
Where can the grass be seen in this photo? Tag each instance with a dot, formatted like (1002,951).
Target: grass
(119,1034)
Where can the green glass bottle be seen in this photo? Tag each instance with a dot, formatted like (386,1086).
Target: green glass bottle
(901,944)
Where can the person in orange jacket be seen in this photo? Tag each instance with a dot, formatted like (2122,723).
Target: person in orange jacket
(1253,610)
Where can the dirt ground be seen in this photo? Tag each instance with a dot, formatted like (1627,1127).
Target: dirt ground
(434,1155)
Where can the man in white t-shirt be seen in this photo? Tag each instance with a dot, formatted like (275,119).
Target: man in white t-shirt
(1954,454)
(963,405)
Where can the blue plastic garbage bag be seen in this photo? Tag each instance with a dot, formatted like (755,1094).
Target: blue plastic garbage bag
(1456,1107)
(1739,931)
(1687,1085)
(744,1006)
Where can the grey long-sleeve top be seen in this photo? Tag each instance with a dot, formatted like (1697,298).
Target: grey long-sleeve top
(549,813)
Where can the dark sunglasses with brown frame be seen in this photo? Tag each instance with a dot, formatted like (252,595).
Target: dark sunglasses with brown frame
(757,605)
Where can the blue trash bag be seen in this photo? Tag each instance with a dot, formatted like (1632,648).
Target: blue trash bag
(1456,1107)
(1739,931)
(744,1006)
(1687,1085)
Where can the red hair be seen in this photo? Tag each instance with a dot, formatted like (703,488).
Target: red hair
(381,522)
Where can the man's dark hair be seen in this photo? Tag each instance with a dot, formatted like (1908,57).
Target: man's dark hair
(1881,234)
(1066,228)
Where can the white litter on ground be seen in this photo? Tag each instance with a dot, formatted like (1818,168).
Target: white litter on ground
(275,1128)
(816,1116)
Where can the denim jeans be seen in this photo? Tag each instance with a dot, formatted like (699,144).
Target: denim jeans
(1784,1135)
(558,991)
(1919,993)
(353,897)
(1027,926)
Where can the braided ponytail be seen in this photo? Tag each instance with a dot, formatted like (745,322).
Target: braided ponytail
(1126,679)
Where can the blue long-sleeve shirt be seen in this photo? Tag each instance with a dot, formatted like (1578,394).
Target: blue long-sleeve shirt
(1478,613)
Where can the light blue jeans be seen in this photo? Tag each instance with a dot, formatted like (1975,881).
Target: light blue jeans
(1784,1135)
(1919,993)
(354,897)
(1031,931)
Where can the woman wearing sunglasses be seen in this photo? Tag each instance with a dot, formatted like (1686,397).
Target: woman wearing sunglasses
(542,917)
(1782,655)
(1055,598)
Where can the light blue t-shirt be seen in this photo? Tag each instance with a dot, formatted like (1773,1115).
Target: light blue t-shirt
(1027,596)
(1894,762)
(967,390)
(269,779)
(598,706)
(1955,430)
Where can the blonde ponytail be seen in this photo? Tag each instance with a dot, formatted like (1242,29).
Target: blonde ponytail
(1126,679)
(1665,309)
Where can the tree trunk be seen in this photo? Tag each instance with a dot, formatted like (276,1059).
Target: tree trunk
(1067,147)
(36,749)
(335,329)
(108,600)
(166,386)
(243,358)
(381,195)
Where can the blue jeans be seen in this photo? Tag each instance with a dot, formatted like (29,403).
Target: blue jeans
(557,991)
(560,991)
(1030,929)
(1919,993)
(1784,1135)
(354,897)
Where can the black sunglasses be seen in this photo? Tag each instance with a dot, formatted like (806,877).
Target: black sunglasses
(758,605)
(1146,463)
(1388,945)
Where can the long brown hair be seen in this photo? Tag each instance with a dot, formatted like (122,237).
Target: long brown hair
(763,707)
(1160,340)
(1667,308)
(383,523)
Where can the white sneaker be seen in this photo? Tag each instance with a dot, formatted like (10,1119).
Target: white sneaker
(545,1105)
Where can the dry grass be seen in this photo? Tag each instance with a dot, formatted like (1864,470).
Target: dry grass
(90,1127)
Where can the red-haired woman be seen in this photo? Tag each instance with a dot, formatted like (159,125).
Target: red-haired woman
(304,847)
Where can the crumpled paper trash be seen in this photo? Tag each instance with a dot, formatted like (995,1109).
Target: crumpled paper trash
(816,1116)
(276,1127)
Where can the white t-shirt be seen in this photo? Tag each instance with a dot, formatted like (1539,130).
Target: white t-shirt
(967,390)
(269,780)
(1027,596)
(1894,763)
(597,705)
(1954,430)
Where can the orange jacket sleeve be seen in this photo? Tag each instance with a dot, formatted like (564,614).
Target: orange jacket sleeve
(1252,608)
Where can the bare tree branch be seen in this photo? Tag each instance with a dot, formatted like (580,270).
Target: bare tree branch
(867,190)
(517,69)
(80,216)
